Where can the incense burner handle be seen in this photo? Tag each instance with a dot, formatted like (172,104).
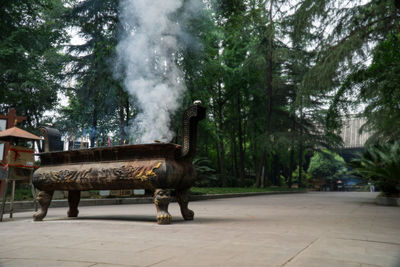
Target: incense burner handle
(52,139)
(191,117)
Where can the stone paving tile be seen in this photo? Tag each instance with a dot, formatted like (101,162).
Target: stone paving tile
(336,229)
(265,256)
(351,252)
(203,258)
(47,263)
(4,261)
(16,241)
(239,252)
(85,255)
(321,261)
(114,245)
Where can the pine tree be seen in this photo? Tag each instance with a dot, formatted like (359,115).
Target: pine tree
(32,35)
(98,103)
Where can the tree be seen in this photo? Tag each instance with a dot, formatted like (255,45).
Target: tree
(338,35)
(252,83)
(341,34)
(201,65)
(377,85)
(268,90)
(265,70)
(327,166)
(98,104)
(32,35)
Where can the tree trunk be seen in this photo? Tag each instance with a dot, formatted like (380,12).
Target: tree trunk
(240,137)
(291,159)
(121,118)
(219,127)
(266,177)
(269,77)
(222,162)
(93,134)
(260,174)
(234,156)
(301,144)
(300,164)
(269,72)
(257,169)
(218,156)
(291,163)
(275,170)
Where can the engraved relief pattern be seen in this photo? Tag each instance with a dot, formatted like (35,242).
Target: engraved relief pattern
(94,175)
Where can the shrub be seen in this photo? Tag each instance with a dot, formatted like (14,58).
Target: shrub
(206,175)
(380,164)
(326,165)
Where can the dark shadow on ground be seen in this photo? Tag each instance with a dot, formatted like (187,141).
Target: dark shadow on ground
(139,218)
(361,202)
(144,218)
(176,219)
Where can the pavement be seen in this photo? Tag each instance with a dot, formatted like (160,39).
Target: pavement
(313,229)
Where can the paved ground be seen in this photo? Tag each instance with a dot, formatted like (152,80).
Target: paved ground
(314,229)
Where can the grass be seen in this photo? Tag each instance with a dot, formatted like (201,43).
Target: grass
(230,190)
(23,193)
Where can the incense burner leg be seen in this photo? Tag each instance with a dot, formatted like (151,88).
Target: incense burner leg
(161,200)
(74,196)
(44,199)
(182,197)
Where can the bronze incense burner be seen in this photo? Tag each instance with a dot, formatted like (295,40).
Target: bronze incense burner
(157,167)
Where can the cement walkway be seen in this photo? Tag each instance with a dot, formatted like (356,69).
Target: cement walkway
(314,229)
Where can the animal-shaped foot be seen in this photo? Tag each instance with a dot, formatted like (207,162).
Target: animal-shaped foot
(161,200)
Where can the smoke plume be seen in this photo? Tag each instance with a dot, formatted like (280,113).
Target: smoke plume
(147,53)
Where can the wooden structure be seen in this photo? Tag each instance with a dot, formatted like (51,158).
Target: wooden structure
(7,121)
(157,167)
(20,161)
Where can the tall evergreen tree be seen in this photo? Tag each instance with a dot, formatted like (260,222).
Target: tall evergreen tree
(32,35)
(98,104)
(341,34)
(378,87)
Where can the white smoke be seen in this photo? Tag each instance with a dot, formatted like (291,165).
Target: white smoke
(147,53)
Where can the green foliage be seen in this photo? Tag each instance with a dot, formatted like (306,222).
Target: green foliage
(326,165)
(306,176)
(22,192)
(98,105)
(32,34)
(346,49)
(265,73)
(241,76)
(206,175)
(341,36)
(380,164)
(377,85)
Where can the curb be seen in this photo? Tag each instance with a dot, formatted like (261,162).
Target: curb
(387,201)
(29,205)
(231,195)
